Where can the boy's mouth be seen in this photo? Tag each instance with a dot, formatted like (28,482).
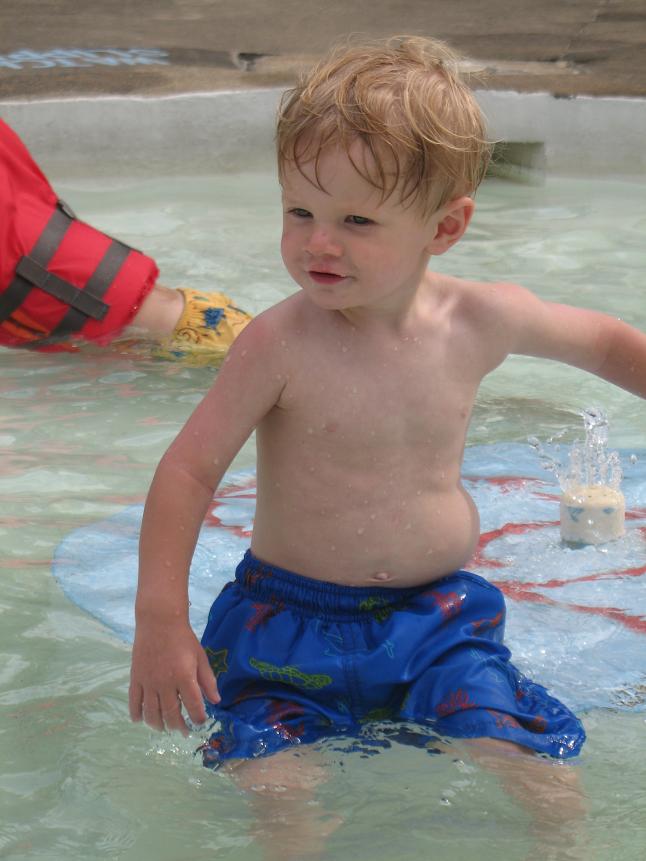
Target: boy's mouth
(325,277)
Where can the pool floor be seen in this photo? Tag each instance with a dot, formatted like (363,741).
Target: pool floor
(80,437)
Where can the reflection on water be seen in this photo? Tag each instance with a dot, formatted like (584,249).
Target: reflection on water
(79,439)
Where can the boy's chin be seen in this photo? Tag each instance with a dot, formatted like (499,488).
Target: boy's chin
(328,298)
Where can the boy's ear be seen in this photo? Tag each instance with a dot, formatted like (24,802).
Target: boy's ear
(449,224)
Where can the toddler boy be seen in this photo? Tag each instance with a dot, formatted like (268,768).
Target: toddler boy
(351,604)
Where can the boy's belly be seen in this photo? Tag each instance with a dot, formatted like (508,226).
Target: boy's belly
(402,541)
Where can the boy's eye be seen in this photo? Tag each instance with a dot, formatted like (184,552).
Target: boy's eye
(300,213)
(358,219)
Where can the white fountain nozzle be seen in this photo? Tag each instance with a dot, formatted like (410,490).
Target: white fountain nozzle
(592,514)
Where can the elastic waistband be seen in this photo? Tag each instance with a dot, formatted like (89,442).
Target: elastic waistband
(273,585)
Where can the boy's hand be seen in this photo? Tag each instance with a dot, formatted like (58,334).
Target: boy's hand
(169,669)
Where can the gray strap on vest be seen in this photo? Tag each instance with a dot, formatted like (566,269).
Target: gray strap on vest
(41,253)
(103,276)
(31,272)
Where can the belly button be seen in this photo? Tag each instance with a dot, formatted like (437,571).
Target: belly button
(382,575)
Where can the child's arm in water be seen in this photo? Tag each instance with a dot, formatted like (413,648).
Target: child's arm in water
(169,667)
(591,340)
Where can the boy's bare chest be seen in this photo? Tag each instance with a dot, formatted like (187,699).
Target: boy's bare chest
(409,394)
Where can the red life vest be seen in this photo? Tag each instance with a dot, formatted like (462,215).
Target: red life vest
(60,279)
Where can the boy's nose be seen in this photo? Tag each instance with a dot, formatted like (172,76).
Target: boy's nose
(321,241)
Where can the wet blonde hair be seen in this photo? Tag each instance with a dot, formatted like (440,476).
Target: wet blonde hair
(405,100)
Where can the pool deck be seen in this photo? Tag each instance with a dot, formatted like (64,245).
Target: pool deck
(578,47)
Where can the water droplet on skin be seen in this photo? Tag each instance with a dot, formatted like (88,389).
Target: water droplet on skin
(332,547)
(360,531)
(310,430)
(373,516)
(243,352)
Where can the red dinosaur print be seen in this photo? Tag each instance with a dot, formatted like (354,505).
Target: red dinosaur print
(282,709)
(537,724)
(488,624)
(456,701)
(450,603)
(263,612)
(504,721)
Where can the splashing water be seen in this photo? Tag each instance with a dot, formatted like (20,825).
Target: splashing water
(589,463)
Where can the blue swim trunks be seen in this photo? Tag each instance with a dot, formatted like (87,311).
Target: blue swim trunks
(298,660)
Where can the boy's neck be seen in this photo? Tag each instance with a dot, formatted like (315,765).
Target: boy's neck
(399,314)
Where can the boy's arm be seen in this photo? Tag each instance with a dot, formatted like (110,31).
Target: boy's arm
(591,340)
(169,667)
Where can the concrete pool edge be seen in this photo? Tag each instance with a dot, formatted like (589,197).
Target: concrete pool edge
(233,129)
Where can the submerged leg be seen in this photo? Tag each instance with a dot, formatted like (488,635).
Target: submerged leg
(550,791)
(290,822)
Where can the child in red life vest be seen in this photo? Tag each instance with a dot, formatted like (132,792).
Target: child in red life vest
(62,282)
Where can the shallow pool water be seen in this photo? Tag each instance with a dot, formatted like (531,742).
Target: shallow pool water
(79,439)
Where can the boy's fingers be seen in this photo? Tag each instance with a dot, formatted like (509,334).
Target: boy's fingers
(171,712)
(135,701)
(152,711)
(206,680)
(194,703)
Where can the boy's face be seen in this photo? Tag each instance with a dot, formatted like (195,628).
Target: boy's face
(344,246)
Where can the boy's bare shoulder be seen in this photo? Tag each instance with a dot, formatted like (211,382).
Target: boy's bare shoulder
(489,315)
(268,327)
(290,313)
(485,304)
(274,337)
(482,296)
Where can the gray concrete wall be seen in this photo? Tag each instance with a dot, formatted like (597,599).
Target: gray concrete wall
(211,132)
(581,136)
